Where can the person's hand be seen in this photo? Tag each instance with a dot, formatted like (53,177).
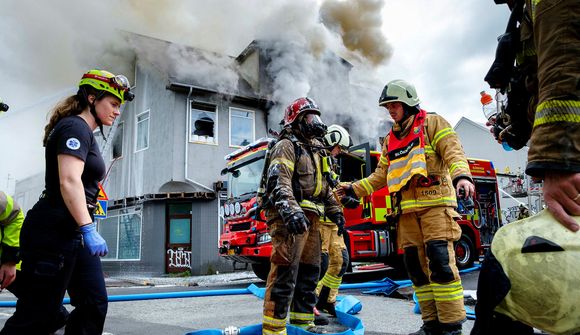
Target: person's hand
(467,187)
(7,274)
(562,197)
(93,240)
(338,219)
(347,195)
(297,223)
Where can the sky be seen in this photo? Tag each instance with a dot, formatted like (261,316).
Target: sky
(443,47)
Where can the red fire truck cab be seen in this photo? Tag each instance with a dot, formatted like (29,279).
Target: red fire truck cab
(370,237)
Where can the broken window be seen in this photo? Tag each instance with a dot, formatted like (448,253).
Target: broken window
(241,127)
(203,124)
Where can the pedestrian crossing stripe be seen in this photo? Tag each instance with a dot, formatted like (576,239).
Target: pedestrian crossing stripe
(101,209)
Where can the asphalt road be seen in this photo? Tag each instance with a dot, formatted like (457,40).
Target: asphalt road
(380,315)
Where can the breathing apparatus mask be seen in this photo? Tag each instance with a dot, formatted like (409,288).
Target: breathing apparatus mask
(311,126)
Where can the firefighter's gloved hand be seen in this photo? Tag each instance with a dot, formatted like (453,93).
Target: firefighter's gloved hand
(338,219)
(349,202)
(93,240)
(297,223)
(349,199)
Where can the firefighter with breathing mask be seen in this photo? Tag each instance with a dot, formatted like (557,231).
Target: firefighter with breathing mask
(299,196)
(424,167)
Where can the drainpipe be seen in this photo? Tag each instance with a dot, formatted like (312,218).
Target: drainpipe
(187,142)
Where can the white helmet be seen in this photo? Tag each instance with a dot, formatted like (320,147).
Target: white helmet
(337,135)
(401,91)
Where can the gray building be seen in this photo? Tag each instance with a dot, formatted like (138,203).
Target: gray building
(165,153)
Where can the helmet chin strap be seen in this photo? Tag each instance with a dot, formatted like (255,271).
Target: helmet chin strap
(97,120)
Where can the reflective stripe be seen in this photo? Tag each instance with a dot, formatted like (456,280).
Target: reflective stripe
(273,321)
(401,164)
(295,316)
(423,293)
(367,186)
(458,165)
(331,281)
(318,178)
(271,332)
(286,162)
(429,149)
(406,204)
(440,135)
(307,204)
(447,292)
(395,183)
(388,201)
(557,111)
(384,160)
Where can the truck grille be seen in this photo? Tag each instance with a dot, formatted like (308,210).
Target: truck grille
(241,226)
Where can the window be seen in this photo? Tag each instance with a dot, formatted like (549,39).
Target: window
(123,235)
(117,151)
(241,127)
(142,121)
(203,124)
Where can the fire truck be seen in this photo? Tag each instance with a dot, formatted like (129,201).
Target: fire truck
(370,235)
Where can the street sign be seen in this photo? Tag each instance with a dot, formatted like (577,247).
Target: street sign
(102,195)
(101,210)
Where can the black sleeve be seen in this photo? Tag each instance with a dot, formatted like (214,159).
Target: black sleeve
(73,139)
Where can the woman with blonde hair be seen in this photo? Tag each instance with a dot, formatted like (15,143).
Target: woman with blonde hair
(59,243)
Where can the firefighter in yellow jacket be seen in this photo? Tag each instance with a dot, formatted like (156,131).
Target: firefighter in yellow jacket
(298,195)
(11,219)
(334,252)
(424,166)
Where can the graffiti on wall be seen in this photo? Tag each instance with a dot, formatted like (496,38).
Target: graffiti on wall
(179,258)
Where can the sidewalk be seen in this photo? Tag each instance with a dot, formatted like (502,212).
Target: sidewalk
(238,277)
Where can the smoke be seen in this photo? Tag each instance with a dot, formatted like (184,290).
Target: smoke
(359,24)
(47,45)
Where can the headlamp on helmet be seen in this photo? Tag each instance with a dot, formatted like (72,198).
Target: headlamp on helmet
(117,85)
(3,107)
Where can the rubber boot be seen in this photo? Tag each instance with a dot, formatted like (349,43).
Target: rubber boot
(320,320)
(432,327)
(311,327)
(452,328)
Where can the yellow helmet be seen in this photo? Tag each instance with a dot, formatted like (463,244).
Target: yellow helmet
(117,85)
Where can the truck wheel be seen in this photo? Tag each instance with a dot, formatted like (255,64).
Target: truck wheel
(261,270)
(464,252)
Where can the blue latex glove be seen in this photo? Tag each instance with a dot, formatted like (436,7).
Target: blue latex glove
(93,240)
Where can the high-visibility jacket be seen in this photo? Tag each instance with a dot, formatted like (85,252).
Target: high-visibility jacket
(446,164)
(11,219)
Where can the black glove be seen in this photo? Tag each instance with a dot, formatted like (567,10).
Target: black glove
(338,219)
(297,223)
(350,199)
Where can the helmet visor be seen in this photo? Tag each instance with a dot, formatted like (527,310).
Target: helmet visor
(120,81)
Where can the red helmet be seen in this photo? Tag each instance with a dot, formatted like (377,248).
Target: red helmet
(297,108)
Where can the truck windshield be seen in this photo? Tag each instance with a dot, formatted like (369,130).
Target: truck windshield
(245,179)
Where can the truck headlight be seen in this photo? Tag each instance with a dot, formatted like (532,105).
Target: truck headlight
(264,238)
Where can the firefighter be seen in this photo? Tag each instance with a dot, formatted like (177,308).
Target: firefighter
(529,278)
(424,166)
(3,107)
(523,212)
(298,195)
(334,253)
(11,218)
